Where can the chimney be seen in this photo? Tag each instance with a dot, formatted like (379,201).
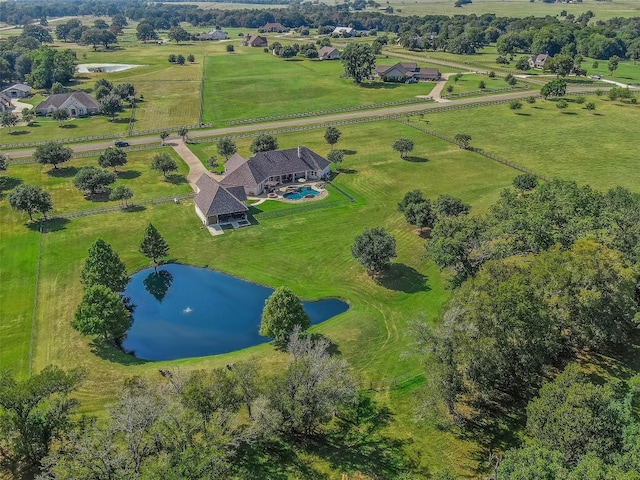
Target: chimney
(299,152)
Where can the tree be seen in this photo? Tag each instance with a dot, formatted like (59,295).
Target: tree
(411,197)
(113,157)
(282,312)
(449,206)
(226,147)
(525,182)
(36,412)
(556,88)
(230,48)
(163,136)
(57,88)
(102,313)
(126,91)
(164,164)
(590,106)
(420,214)
(30,199)
(264,143)
(374,248)
(92,36)
(178,34)
(4,162)
(561,65)
(523,64)
(153,245)
(110,105)
(482,85)
(332,135)
(310,390)
(8,120)
(183,132)
(60,115)
(50,65)
(562,104)
(92,179)
(104,267)
(359,61)
(403,146)
(612,64)
(515,104)
(180,60)
(463,140)
(575,417)
(336,157)
(27,116)
(145,31)
(191,58)
(122,194)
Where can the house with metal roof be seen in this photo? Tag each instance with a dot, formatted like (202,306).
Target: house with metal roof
(266,170)
(216,204)
(408,72)
(214,35)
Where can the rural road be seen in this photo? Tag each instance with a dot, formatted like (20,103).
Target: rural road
(257,127)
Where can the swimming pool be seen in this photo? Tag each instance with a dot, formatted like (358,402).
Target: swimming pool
(301,193)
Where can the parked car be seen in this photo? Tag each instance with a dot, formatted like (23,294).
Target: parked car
(121,143)
(596,77)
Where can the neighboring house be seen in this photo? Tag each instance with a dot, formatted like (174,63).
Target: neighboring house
(255,41)
(408,72)
(214,35)
(5,103)
(273,28)
(344,31)
(217,204)
(19,90)
(328,53)
(76,104)
(538,61)
(266,170)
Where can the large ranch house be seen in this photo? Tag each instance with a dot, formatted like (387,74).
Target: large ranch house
(266,170)
(218,203)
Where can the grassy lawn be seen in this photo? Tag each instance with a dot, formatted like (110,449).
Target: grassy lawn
(596,148)
(470,83)
(46,128)
(516,8)
(249,84)
(136,174)
(307,251)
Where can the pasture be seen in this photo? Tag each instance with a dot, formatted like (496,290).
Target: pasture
(314,246)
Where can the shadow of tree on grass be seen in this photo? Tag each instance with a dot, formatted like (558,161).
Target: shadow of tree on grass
(113,354)
(128,174)
(401,277)
(413,159)
(63,172)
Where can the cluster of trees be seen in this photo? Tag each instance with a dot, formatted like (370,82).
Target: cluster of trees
(200,424)
(423,213)
(578,427)
(100,33)
(308,50)
(544,275)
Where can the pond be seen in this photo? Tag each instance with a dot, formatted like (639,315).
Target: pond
(183,311)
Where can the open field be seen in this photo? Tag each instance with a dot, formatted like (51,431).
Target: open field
(516,8)
(312,246)
(249,84)
(596,148)
(470,83)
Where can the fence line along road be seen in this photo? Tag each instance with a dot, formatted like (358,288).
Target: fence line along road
(337,119)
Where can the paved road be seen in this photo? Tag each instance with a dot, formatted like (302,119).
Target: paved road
(256,127)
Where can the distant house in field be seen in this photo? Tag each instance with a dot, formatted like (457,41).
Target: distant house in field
(19,90)
(5,103)
(328,53)
(273,28)
(255,41)
(76,104)
(344,31)
(217,204)
(408,72)
(214,35)
(538,61)
(266,170)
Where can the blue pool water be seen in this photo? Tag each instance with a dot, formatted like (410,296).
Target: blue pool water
(183,311)
(301,193)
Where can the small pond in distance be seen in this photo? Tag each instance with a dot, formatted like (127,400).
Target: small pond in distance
(183,311)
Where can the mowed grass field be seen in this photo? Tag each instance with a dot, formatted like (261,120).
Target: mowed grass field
(516,8)
(254,84)
(596,148)
(309,252)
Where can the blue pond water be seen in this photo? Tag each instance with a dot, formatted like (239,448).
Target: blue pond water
(301,193)
(184,311)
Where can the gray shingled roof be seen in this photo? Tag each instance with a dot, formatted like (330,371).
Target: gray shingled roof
(58,99)
(18,86)
(214,199)
(234,162)
(326,51)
